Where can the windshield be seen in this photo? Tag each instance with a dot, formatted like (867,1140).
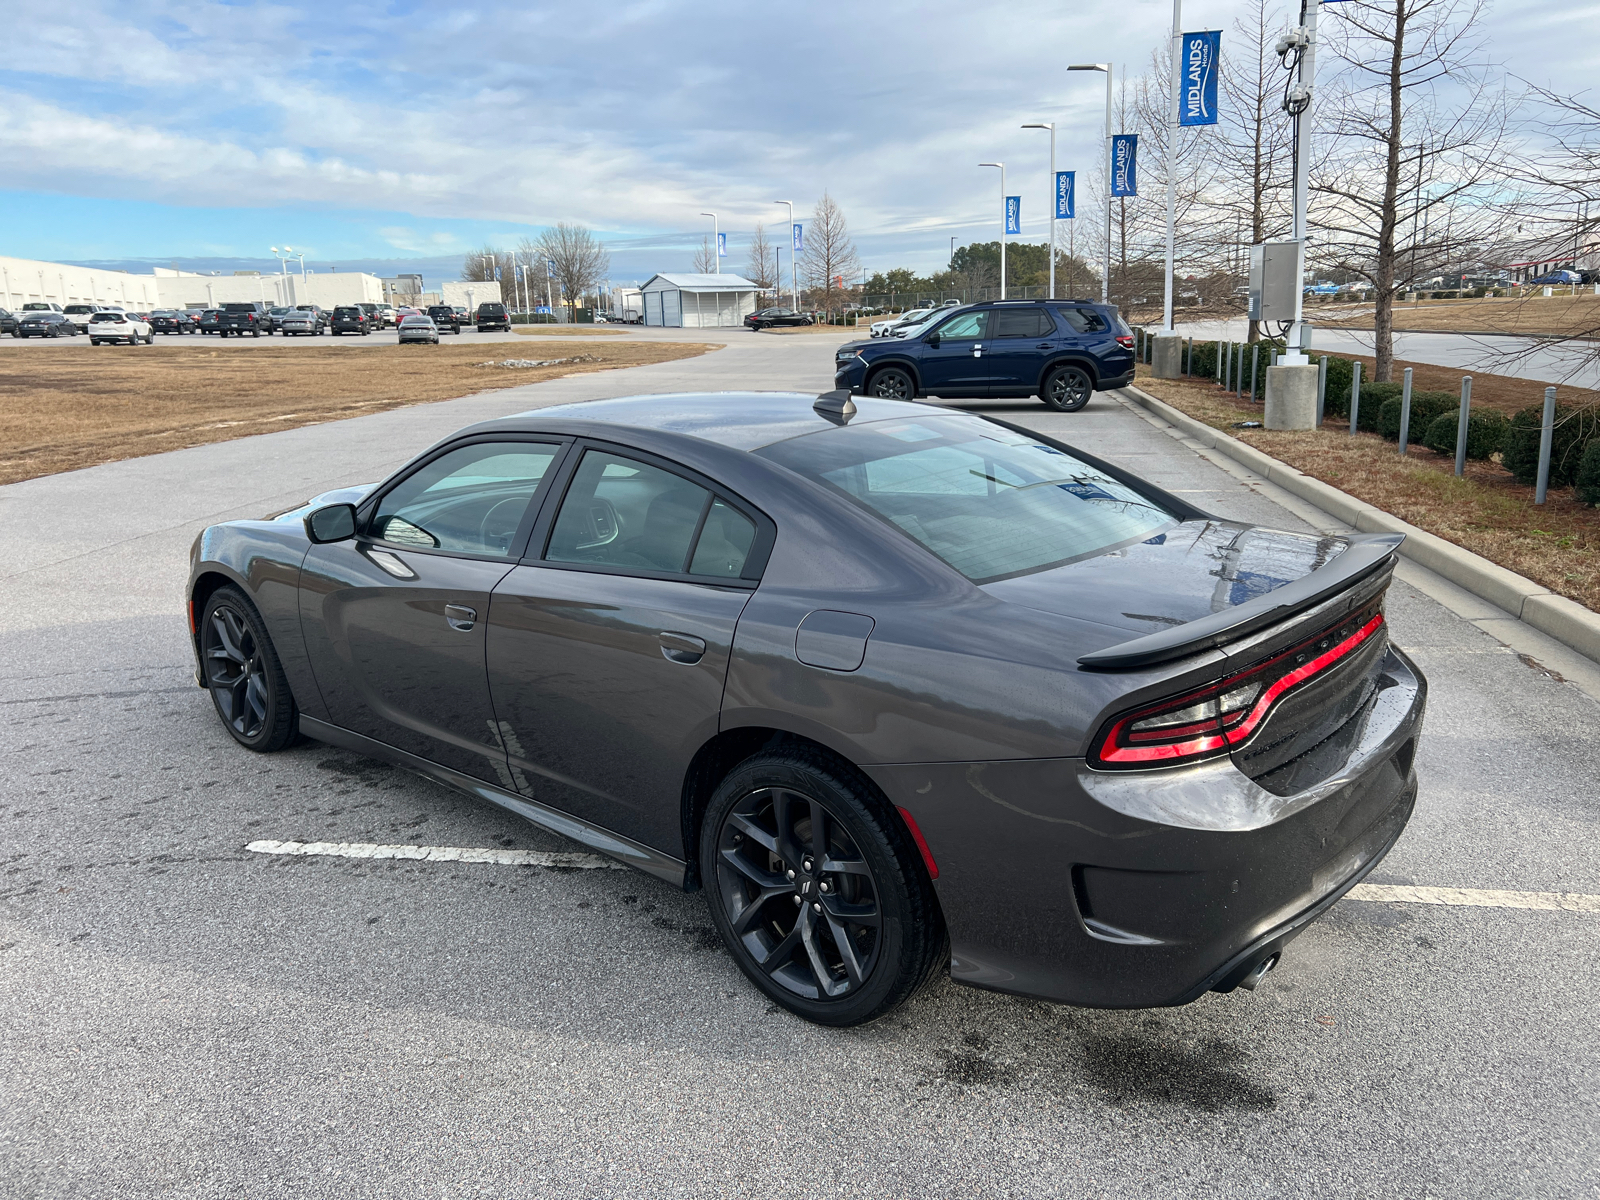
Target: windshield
(990,502)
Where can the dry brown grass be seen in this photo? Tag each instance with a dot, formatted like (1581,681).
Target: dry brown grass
(568,331)
(1564,316)
(1486,511)
(67,407)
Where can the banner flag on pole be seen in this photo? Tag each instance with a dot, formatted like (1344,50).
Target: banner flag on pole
(497,273)
(722,245)
(1125,164)
(799,237)
(1199,64)
(1013,214)
(550,267)
(1065,184)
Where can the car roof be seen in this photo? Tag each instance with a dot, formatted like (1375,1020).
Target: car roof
(735,420)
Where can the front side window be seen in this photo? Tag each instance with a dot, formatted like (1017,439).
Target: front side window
(967,326)
(990,502)
(620,512)
(470,500)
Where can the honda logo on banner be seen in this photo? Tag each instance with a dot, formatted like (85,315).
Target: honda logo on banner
(1013,214)
(1125,164)
(1199,103)
(799,237)
(722,245)
(1065,183)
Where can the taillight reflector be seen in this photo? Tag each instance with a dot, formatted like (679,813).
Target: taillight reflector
(922,843)
(1211,720)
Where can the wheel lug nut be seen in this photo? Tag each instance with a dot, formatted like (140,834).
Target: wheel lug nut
(816,908)
(790,873)
(797,901)
(807,864)
(823,886)
(737,838)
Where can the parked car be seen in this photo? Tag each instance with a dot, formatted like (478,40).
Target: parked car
(210,320)
(80,314)
(317,311)
(463,313)
(168,321)
(300,322)
(1063,352)
(766,318)
(244,317)
(404,311)
(904,320)
(1556,277)
(389,316)
(45,324)
(418,328)
(8,322)
(374,315)
(833,663)
(127,327)
(275,316)
(444,317)
(493,316)
(41,306)
(348,318)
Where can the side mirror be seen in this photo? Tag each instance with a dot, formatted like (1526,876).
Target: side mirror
(933,340)
(331,523)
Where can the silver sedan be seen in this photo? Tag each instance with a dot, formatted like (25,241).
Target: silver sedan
(419,329)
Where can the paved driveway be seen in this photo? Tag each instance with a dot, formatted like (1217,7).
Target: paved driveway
(182,1017)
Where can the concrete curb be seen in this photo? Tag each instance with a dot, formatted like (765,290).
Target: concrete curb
(1556,616)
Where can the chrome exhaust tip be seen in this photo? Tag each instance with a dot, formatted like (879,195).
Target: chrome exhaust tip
(1258,972)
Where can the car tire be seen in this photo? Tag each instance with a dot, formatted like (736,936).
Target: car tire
(94,341)
(891,383)
(1067,389)
(242,672)
(841,957)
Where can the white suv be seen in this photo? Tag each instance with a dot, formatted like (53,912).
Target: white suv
(80,314)
(887,328)
(106,326)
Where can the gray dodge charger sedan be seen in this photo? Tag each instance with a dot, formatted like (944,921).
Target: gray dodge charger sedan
(898,687)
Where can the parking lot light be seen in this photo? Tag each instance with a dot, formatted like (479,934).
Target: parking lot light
(1051,192)
(1105,279)
(1002,167)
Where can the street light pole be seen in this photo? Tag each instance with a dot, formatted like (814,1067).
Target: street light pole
(1105,278)
(1002,167)
(1051,126)
(1172,162)
(716,256)
(794,290)
(1300,96)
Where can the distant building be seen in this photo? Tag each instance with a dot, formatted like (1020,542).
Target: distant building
(698,301)
(25,280)
(470,292)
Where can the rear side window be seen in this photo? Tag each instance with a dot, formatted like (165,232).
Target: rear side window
(1021,323)
(990,502)
(620,512)
(1083,320)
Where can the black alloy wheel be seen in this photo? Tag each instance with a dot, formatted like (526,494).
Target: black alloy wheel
(817,890)
(1067,389)
(892,383)
(242,672)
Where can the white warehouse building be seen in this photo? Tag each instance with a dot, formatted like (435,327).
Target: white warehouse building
(698,301)
(25,280)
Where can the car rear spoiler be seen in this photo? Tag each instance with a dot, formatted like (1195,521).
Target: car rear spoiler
(1367,555)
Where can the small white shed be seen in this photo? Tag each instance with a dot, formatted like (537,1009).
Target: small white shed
(698,301)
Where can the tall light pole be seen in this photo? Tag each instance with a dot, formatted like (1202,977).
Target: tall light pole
(716,256)
(1002,167)
(1172,162)
(1105,278)
(794,290)
(1051,192)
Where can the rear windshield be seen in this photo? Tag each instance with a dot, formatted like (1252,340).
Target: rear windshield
(491,308)
(239,307)
(990,502)
(347,312)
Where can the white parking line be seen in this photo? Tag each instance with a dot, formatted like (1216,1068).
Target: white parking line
(1476,897)
(466,854)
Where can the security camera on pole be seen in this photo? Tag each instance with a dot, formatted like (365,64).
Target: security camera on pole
(1277,270)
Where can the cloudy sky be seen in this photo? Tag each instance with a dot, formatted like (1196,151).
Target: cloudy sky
(406,133)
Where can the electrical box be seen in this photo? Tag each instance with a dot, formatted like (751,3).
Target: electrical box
(1276,270)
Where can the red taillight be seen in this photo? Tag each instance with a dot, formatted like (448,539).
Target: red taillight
(1211,720)
(1126,342)
(922,843)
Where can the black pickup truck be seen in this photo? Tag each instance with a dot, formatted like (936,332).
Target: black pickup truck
(242,317)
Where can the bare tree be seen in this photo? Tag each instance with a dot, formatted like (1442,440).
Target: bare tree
(762,269)
(1419,120)
(829,261)
(705,258)
(579,262)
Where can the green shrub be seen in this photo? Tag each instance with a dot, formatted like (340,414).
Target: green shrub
(1336,400)
(1588,481)
(1486,429)
(1574,430)
(1425,406)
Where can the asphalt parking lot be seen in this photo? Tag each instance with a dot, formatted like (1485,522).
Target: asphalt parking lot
(181,1016)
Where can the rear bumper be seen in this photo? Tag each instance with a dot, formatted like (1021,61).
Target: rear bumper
(1139,890)
(1112,382)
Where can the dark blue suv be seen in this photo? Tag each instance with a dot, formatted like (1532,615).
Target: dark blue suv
(1062,351)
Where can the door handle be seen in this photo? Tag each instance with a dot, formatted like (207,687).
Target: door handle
(681,648)
(460,617)
(1042,346)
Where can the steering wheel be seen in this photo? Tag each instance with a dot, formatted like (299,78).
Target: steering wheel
(499,524)
(601,524)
